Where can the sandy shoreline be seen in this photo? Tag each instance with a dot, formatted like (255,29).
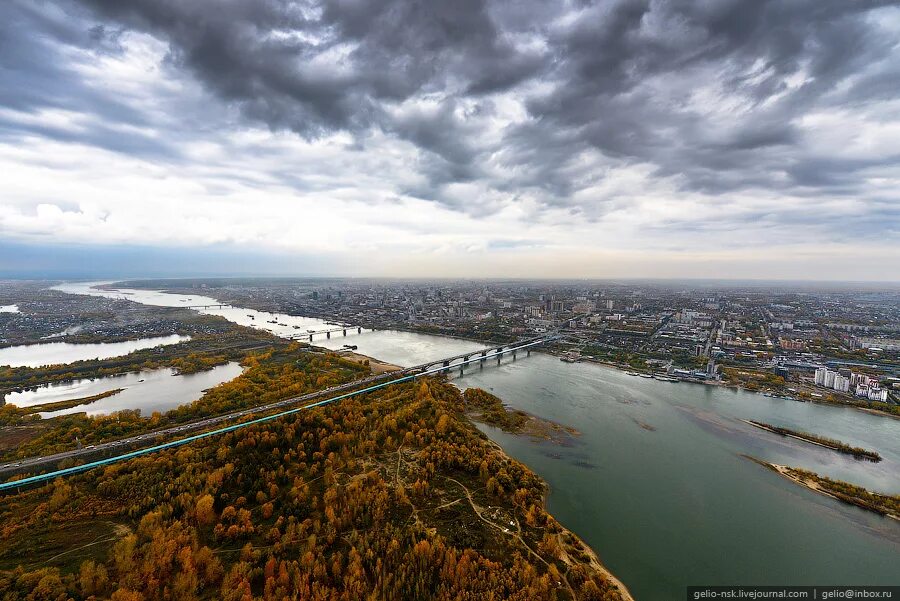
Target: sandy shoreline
(597,565)
(593,558)
(376,365)
(786,472)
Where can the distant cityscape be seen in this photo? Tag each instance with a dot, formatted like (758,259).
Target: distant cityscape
(840,344)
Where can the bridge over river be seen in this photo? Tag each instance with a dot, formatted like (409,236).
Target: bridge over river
(348,389)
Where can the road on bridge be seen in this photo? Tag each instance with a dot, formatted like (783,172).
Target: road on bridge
(412,373)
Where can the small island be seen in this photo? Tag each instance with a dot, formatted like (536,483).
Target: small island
(886,505)
(488,409)
(13,415)
(830,443)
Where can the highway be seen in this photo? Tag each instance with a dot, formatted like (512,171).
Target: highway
(412,373)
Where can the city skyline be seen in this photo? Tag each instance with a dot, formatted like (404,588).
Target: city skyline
(623,139)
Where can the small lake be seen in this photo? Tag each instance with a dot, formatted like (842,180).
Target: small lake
(9,308)
(54,353)
(149,390)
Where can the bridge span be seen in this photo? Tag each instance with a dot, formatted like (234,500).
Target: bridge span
(369,384)
(308,334)
(210,306)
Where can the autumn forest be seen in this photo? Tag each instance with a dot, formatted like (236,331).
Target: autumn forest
(391,495)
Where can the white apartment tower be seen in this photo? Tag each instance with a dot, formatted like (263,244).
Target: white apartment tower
(820,376)
(841,384)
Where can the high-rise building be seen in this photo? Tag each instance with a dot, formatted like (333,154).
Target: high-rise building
(829,378)
(841,384)
(820,376)
(878,394)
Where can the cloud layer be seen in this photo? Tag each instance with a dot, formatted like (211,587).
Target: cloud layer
(463,136)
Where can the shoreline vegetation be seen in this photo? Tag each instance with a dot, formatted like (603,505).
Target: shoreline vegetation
(60,405)
(484,407)
(375,495)
(885,505)
(11,415)
(829,443)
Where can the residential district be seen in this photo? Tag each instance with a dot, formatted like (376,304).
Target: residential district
(834,343)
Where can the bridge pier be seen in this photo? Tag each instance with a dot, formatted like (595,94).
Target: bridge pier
(328,334)
(447,365)
(310,337)
(359,330)
(345,332)
(514,355)
(483,356)
(528,353)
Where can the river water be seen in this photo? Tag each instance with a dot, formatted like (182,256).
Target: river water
(656,483)
(148,390)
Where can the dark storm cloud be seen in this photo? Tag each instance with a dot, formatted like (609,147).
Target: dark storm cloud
(605,85)
(610,53)
(263,54)
(34,80)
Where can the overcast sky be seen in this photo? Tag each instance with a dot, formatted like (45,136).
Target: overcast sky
(715,138)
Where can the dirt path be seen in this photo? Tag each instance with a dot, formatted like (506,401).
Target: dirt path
(478,510)
(119,531)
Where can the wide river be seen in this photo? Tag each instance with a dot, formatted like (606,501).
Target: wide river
(656,483)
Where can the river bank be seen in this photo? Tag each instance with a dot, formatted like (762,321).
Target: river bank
(377,366)
(722,384)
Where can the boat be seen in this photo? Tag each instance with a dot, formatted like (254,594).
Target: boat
(296,327)
(631,373)
(646,376)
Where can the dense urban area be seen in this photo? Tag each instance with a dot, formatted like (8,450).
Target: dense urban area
(830,343)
